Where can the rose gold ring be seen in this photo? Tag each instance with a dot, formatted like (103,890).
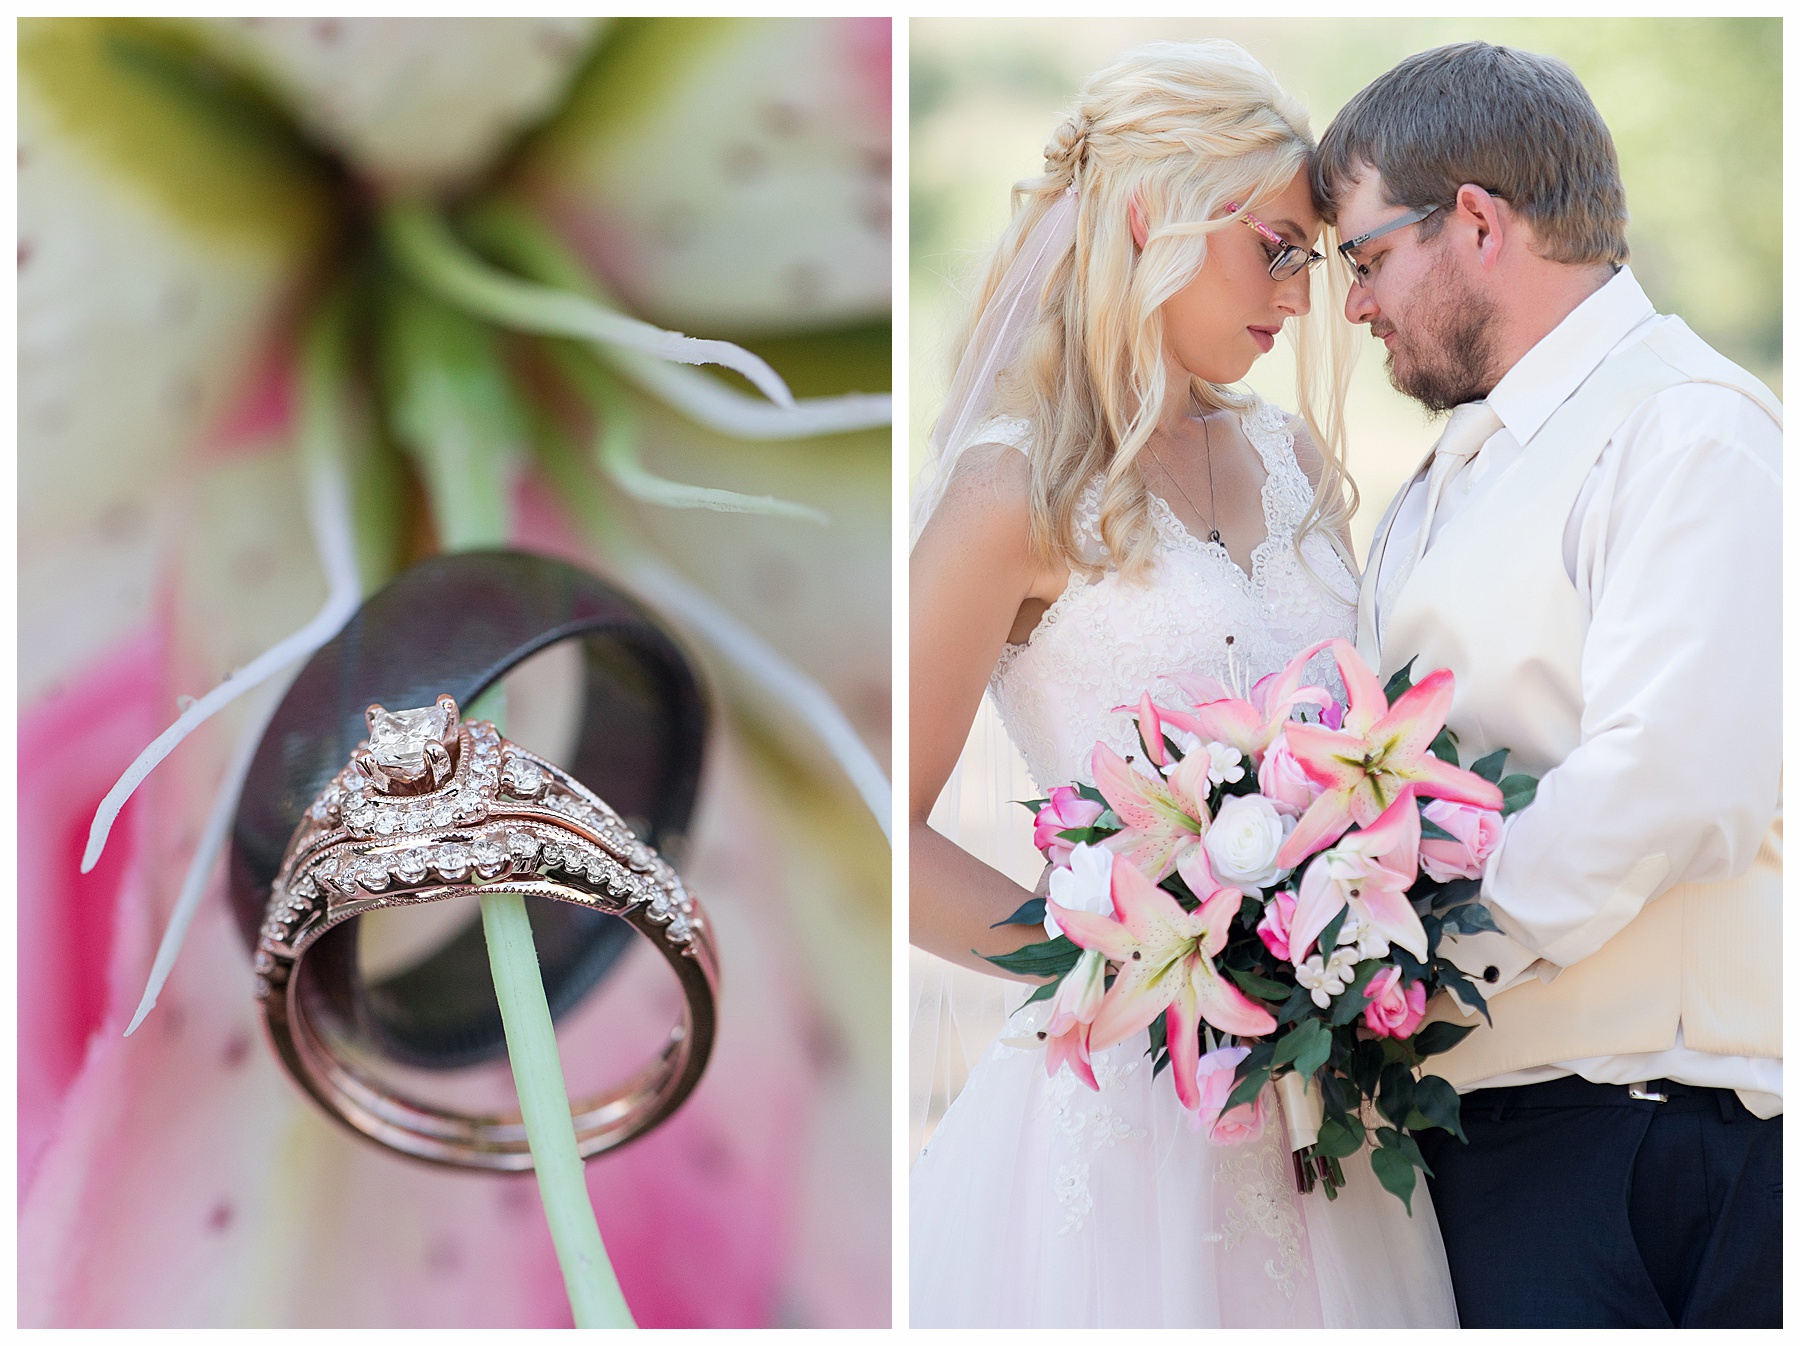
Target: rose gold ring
(429,808)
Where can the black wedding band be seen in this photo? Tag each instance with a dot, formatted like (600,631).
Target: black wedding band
(457,624)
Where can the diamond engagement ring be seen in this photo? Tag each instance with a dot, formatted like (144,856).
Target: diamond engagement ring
(431,807)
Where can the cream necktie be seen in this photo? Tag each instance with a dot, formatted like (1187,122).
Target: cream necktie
(1471,425)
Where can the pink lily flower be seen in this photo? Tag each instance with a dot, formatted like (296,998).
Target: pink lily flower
(1380,752)
(1162,822)
(1165,958)
(1369,872)
(1248,724)
(1064,810)
(1072,1013)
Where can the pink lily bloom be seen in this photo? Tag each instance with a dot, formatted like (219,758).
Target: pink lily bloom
(1072,1013)
(1369,872)
(1380,752)
(1165,958)
(1161,821)
(1394,1010)
(1248,725)
(1064,810)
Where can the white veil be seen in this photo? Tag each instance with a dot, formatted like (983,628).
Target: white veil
(956,1014)
(993,345)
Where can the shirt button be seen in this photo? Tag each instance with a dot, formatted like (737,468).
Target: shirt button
(1492,974)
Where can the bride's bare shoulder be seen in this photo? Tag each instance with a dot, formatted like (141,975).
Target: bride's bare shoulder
(988,496)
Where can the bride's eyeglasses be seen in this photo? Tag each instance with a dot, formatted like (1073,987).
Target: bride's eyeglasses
(1290,261)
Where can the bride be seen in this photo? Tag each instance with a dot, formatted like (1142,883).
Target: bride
(1105,509)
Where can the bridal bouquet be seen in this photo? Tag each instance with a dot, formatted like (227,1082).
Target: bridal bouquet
(1266,892)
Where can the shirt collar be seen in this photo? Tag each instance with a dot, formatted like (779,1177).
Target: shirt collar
(1549,373)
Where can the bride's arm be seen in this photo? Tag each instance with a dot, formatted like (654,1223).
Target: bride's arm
(972,579)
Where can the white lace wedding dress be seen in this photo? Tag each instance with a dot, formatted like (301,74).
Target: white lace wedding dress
(1039,1202)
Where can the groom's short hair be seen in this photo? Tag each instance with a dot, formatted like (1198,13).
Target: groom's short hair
(1519,124)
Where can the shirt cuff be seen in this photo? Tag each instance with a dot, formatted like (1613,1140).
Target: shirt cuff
(1494,962)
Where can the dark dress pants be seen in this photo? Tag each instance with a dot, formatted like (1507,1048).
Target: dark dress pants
(1576,1205)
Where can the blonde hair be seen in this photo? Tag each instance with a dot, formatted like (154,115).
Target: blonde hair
(1185,128)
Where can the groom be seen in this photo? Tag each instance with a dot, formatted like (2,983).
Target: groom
(1594,549)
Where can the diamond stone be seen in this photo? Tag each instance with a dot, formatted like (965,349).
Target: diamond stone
(397,739)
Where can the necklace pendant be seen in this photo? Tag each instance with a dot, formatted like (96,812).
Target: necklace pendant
(1213,536)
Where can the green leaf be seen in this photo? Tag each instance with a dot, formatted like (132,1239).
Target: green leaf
(1489,767)
(1247,1088)
(1516,792)
(1050,958)
(1401,683)
(1396,1097)
(1043,992)
(1030,912)
(1339,1140)
(1468,919)
(1430,831)
(1451,979)
(1092,835)
(1396,1173)
(1439,1037)
(1090,794)
(1405,1145)
(1328,936)
(1035,805)
(1159,1034)
(1443,747)
(1351,1002)
(1260,987)
(1300,1040)
(1313,1054)
(1436,1099)
(1299,1002)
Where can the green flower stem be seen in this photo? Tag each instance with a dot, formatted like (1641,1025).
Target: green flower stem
(593,1289)
(452,409)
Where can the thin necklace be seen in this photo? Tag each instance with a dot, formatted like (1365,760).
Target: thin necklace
(1212,529)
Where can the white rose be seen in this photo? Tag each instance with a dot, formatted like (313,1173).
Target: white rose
(1086,885)
(1243,841)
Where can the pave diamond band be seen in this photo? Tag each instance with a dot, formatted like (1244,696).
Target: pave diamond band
(498,819)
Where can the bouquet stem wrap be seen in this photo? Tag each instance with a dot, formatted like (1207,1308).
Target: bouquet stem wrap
(1301,1110)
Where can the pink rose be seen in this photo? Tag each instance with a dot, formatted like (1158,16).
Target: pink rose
(1477,833)
(1393,1010)
(1277,920)
(1242,1124)
(1065,809)
(1284,782)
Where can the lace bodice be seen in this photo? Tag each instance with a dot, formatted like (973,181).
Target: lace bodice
(1104,642)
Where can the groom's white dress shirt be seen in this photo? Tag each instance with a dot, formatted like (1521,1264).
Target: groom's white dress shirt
(1682,724)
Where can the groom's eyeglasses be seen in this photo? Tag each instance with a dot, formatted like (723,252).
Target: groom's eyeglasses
(1360,271)
(1290,260)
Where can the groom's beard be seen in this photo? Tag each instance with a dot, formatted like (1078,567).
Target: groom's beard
(1448,350)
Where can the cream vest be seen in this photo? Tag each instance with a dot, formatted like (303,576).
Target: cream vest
(1704,957)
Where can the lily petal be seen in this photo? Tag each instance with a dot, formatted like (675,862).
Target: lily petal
(1225,1007)
(1440,780)
(1326,819)
(1183,1037)
(1410,726)
(1319,900)
(1383,906)
(1368,703)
